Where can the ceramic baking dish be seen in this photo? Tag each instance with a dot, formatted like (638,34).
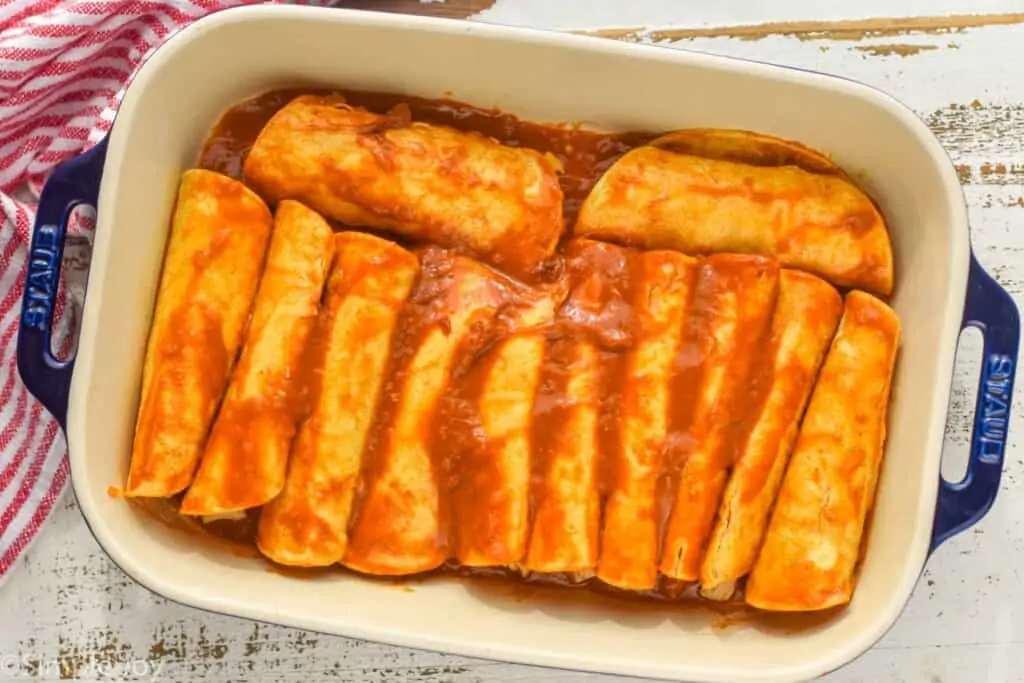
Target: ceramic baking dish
(541,76)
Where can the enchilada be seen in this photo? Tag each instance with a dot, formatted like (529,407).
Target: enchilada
(593,324)
(489,420)
(659,199)
(428,182)
(219,235)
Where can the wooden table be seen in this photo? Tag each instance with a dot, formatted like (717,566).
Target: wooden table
(69,613)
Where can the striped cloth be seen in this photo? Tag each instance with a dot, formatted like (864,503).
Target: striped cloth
(63,66)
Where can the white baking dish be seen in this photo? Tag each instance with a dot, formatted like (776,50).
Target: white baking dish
(542,76)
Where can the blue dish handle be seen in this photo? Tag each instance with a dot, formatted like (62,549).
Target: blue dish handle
(74,183)
(990,309)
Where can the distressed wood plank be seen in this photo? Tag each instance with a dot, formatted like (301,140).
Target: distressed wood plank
(450,9)
(75,614)
(674,15)
(845,29)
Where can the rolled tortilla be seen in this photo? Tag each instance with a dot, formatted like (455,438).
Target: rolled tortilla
(746,147)
(814,537)
(218,240)
(659,199)
(370,280)
(490,497)
(564,533)
(428,182)
(806,315)
(398,526)
(629,537)
(246,456)
(565,491)
(735,298)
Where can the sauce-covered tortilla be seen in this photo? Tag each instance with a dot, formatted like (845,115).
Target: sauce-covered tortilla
(219,236)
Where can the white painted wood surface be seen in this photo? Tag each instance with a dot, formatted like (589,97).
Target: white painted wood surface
(69,613)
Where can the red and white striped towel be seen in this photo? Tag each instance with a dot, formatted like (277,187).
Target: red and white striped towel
(63,66)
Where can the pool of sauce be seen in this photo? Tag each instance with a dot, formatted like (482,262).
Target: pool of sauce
(595,308)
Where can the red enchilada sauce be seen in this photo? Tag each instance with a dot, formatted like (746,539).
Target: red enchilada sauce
(597,309)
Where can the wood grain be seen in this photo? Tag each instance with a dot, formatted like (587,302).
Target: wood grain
(853,29)
(451,9)
(68,610)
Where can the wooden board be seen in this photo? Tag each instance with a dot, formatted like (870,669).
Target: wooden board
(68,612)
